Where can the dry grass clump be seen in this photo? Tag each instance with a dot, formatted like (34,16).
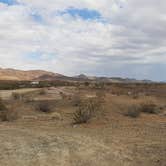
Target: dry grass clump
(86,111)
(134,111)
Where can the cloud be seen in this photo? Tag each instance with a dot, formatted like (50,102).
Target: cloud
(108,37)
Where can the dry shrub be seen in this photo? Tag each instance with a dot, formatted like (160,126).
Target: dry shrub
(81,116)
(44,107)
(7,114)
(149,108)
(133,111)
(86,110)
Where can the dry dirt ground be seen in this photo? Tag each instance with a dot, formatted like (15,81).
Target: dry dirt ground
(111,139)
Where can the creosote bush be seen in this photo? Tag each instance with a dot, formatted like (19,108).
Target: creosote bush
(86,110)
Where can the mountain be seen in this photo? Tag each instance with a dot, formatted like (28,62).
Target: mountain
(83,77)
(41,75)
(20,75)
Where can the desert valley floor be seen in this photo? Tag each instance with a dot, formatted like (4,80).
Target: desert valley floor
(112,137)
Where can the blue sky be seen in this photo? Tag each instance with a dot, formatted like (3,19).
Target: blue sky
(84,13)
(123,38)
(39,56)
(37,17)
(9,2)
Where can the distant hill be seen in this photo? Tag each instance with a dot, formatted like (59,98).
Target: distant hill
(110,79)
(20,75)
(41,75)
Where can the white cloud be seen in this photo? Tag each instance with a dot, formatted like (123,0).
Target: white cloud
(133,33)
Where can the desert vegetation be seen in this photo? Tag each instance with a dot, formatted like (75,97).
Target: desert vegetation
(133,111)
(44,107)
(3,111)
(7,114)
(99,117)
(86,110)
(149,107)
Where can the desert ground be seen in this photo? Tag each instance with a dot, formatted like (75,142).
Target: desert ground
(43,126)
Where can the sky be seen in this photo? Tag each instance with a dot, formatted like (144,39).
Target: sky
(115,38)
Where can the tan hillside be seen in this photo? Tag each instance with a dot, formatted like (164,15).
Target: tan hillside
(12,74)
